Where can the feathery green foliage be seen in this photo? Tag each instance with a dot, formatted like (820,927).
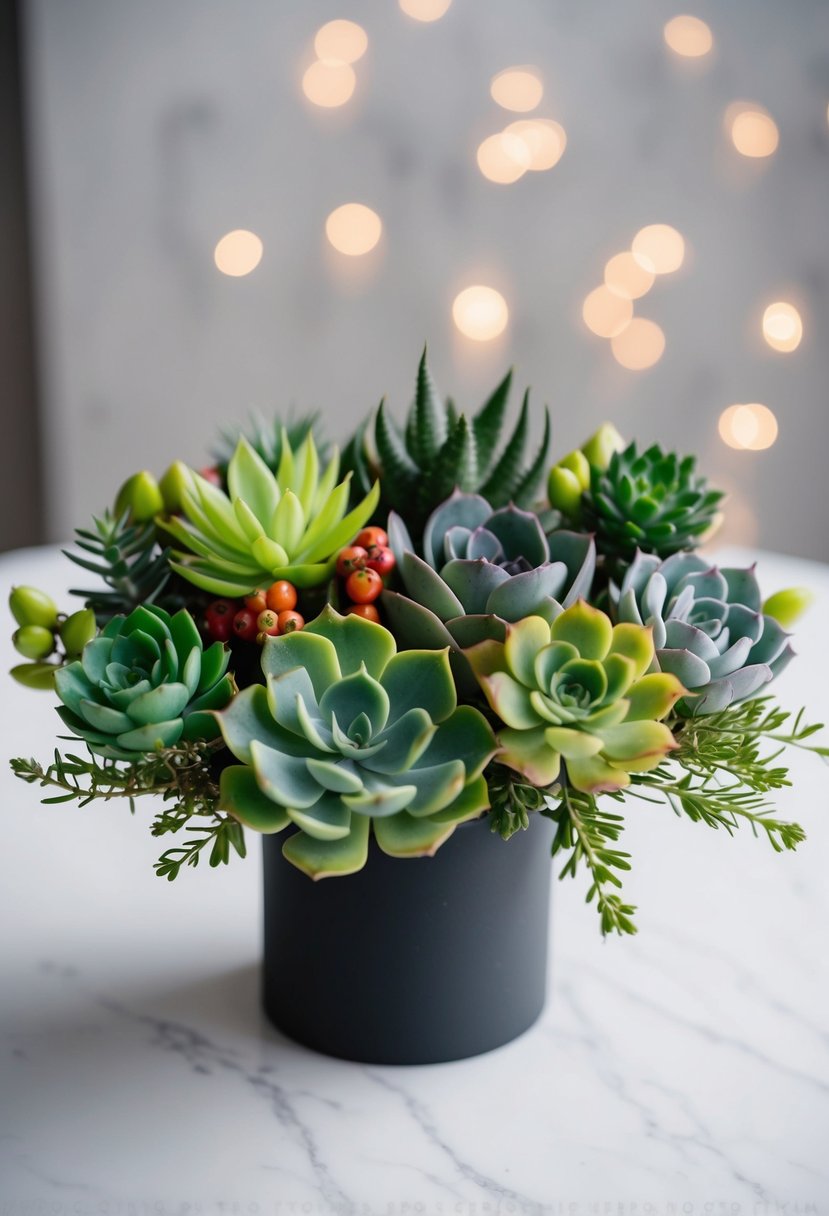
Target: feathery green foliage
(127,557)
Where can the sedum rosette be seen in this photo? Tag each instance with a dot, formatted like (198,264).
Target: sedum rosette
(146,682)
(350,736)
(708,627)
(577,690)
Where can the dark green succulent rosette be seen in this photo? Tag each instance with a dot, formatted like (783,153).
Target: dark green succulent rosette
(349,737)
(144,683)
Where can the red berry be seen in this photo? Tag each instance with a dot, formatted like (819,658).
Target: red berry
(256,601)
(351,558)
(363,586)
(281,596)
(290,621)
(245,625)
(382,560)
(372,536)
(212,475)
(219,619)
(267,623)
(367,611)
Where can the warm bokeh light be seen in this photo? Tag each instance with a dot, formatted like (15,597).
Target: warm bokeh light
(688,36)
(639,345)
(627,277)
(480,313)
(342,40)
(752,129)
(659,248)
(748,428)
(353,229)
(518,89)
(425,10)
(503,158)
(782,326)
(329,82)
(605,313)
(545,141)
(238,252)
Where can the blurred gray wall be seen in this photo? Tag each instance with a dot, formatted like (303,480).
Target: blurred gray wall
(158,126)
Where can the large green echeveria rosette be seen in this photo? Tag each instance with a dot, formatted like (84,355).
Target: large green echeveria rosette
(577,690)
(146,682)
(708,627)
(348,737)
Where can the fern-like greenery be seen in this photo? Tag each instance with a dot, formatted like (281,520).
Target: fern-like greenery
(127,557)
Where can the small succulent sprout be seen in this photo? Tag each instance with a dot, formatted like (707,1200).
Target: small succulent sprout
(709,627)
(288,525)
(77,630)
(788,606)
(566,483)
(146,682)
(651,500)
(30,606)
(139,498)
(175,480)
(577,690)
(351,737)
(601,446)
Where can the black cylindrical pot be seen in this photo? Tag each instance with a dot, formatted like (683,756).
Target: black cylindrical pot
(411,961)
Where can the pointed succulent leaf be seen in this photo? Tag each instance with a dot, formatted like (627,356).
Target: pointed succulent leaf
(241,797)
(326,858)
(488,422)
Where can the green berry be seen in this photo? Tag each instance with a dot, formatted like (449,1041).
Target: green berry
(77,630)
(788,606)
(600,447)
(141,497)
(34,641)
(564,491)
(32,607)
(173,484)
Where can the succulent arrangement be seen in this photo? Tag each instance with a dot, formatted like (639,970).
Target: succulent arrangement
(367,650)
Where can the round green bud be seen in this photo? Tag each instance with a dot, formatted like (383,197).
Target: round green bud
(788,606)
(32,607)
(600,447)
(173,484)
(141,497)
(77,630)
(34,641)
(564,491)
(579,466)
(35,675)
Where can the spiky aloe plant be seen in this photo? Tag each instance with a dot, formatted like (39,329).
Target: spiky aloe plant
(126,556)
(439,450)
(268,526)
(352,736)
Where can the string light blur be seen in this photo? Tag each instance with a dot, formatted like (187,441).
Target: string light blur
(480,313)
(752,129)
(545,141)
(425,10)
(353,229)
(627,277)
(659,248)
(605,313)
(329,83)
(639,345)
(238,253)
(519,89)
(341,40)
(688,36)
(503,158)
(782,326)
(750,428)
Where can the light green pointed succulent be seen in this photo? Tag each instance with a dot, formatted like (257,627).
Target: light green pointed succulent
(145,682)
(348,736)
(288,525)
(577,691)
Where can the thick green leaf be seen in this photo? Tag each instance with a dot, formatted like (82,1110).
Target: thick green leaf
(355,640)
(488,421)
(241,797)
(420,679)
(428,433)
(327,858)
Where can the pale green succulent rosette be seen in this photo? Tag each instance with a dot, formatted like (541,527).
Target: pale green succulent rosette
(146,682)
(577,690)
(288,525)
(351,736)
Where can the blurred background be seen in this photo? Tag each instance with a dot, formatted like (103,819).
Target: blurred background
(216,208)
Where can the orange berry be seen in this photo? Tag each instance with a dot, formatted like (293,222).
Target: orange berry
(370,537)
(290,621)
(351,558)
(363,586)
(281,596)
(256,602)
(367,611)
(268,623)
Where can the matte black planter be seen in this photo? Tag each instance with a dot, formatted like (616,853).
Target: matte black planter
(411,961)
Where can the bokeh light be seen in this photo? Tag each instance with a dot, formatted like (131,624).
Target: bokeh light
(748,428)
(752,129)
(519,89)
(329,82)
(503,158)
(782,326)
(480,313)
(688,36)
(639,345)
(425,10)
(545,141)
(341,40)
(353,229)
(659,248)
(605,313)
(238,252)
(627,277)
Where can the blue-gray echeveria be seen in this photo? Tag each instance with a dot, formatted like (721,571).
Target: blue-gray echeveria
(709,629)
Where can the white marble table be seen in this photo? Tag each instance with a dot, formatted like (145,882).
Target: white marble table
(685,1071)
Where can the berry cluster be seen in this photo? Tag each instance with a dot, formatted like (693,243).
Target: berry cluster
(266,612)
(363,567)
